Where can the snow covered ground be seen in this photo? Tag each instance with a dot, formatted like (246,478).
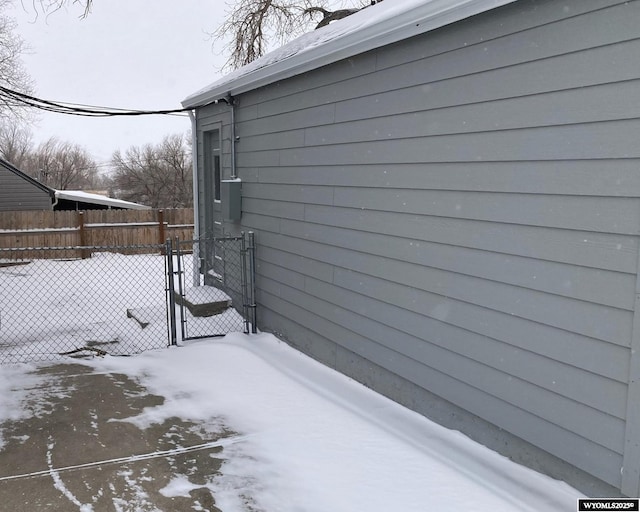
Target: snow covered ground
(312,439)
(309,440)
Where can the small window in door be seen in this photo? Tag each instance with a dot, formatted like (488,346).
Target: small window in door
(216,175)
(212,163)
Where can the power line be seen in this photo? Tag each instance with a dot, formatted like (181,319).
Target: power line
(78,109)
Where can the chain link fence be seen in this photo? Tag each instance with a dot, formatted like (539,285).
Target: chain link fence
(56,302)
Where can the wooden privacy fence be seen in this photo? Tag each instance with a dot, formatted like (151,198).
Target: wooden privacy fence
(93,228)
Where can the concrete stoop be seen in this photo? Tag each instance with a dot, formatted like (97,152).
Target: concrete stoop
(204,300)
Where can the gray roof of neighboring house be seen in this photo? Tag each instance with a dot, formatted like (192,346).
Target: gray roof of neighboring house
(387,22)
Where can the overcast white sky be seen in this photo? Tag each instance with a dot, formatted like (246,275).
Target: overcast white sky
(138,54)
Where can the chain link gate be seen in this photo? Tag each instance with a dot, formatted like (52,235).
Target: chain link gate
(211,286)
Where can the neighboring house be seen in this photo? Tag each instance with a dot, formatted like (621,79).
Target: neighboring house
(19,192)
(446,201)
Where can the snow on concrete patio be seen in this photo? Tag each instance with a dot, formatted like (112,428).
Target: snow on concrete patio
(312,439)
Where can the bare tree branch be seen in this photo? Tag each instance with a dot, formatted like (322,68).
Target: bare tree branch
(329,16)
(48,6)
(251,25)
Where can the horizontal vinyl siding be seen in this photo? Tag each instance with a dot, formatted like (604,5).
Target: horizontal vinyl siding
(18,194)
(462,209)
(604,177)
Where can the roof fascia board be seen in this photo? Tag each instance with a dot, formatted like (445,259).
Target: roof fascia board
(403,26)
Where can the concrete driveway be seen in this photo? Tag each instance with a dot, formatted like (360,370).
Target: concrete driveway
(75,454)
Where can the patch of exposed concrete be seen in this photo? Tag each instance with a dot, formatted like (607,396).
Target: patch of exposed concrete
(73,425)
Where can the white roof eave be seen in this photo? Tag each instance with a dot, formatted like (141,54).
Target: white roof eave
(84,197)
(417,19)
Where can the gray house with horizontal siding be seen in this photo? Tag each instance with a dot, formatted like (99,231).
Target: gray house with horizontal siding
(19,191)
(446,201)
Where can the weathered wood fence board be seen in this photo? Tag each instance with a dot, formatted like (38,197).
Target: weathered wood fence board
(93,228)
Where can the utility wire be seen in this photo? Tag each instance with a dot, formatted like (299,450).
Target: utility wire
(115,110)
(79,109)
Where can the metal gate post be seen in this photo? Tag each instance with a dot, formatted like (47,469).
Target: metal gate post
(252,280)
(196,263)
(179,273)
(243,281)
(171,314)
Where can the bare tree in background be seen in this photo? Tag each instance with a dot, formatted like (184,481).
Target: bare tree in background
(16,143)
(12,72)
(55,163)
(156,175)
(62,165)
